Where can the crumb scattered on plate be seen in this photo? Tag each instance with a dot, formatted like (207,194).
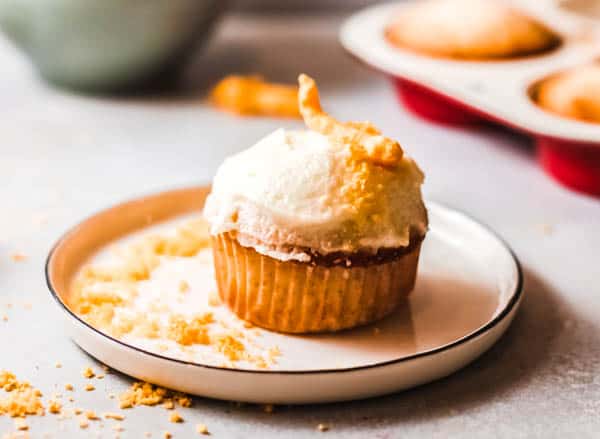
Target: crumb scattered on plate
(154,291)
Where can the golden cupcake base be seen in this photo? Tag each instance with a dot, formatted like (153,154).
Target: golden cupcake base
(297,297)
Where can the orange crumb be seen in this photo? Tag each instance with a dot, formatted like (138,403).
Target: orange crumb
(274,352)
(91,415)
(322,427)
(231,347)
(175,417)
(184,401)
(261,363)
(54,406)
(18,257)
(184,286)
(167,435)
(168,404)
(146,394)
(99,292)
(21,424)
(22,399)
(83,423)
(77,411)
(69,387)
(115,416)
(188,332)
(202,429)
(89,387)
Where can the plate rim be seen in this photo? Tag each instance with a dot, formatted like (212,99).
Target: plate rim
(515,299)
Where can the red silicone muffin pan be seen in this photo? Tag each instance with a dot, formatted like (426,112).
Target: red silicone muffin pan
(468,92)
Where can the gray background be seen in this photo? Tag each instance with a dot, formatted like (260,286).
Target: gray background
(64,156)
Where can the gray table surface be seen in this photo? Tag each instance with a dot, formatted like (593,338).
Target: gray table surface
(64,156)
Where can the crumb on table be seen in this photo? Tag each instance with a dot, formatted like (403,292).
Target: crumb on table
(18,257)
(175,417)
(323,427)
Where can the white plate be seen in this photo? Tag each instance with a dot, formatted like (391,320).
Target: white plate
(468,290)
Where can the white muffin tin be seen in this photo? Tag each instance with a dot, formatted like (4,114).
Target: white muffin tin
(457,91)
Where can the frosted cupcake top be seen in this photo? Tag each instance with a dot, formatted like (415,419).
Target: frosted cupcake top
(469,29)
(338,187)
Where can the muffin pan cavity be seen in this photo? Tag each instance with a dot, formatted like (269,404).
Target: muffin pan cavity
(586,9)
(466,92)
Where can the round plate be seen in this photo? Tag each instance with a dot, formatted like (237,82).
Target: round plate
(468,290)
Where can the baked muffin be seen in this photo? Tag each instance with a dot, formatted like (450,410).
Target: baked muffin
(574,94)
(317,230)
(469,29)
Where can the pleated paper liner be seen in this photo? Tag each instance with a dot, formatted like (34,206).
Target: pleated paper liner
(296,297)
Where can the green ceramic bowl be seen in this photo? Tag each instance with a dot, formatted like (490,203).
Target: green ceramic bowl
(102,45)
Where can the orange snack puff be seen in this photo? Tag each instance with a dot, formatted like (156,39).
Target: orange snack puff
(250,95)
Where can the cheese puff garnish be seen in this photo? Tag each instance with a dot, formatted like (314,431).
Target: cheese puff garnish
(365,141)
(251,95)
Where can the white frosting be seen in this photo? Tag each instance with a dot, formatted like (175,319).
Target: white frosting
(295,190)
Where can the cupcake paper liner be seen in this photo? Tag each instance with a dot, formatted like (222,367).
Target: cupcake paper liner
(299,297)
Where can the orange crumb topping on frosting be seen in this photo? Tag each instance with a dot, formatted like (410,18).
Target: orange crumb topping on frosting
(362,138)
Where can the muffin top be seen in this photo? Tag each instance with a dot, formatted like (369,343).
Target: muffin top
(334,188)
(469,29)
(574,94)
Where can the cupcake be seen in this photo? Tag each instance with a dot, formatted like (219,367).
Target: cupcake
(469,29)
(574,94)
(317,230)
